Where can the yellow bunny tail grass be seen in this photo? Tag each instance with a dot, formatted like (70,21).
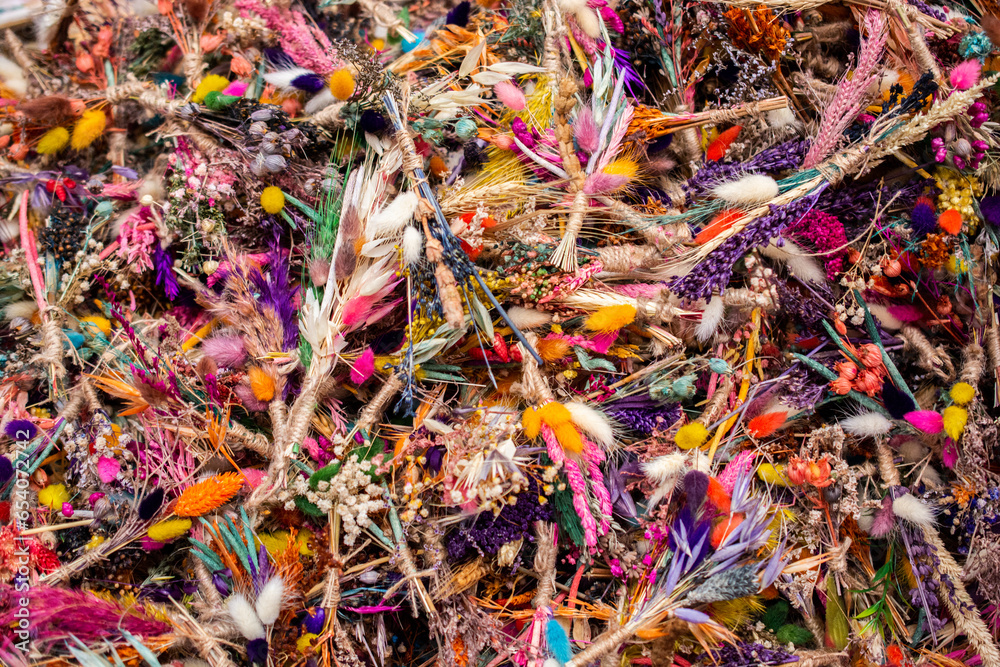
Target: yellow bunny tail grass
(955,419)
(212,83)
(168,530)
(342,84)
(261,384)
(531,421)
(554,414)
(53,496)
(88,129)
(691,435)
(569,437)
(611,318)
(53,141)
(272,199)
(962,393)
(208,495)
(772,474)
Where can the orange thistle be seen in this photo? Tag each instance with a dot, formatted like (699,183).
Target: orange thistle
(208,495)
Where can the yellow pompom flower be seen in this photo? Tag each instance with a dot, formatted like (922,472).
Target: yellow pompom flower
(611,318)
(272,199)
(88,129)
(168,530)
(691,435)
(276,543)
(772,474)
(211,83)
(962,393)
(53,496)
(53,141)
(342,84)
(955,419)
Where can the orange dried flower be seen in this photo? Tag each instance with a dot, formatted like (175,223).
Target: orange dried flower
(934,251)
(208,495)
(758,31)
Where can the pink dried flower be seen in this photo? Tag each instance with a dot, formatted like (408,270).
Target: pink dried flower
(965,75)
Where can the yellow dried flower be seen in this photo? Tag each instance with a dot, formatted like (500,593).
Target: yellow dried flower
(208,495)
(342,84)
(272,199)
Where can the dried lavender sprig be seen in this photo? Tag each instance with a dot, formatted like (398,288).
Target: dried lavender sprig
(714,272)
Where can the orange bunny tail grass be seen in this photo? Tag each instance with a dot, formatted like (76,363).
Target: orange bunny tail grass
(717,149)
(531,420)
(552,350)
(720,223)
(208,495)
(764,425)
(611,318)
(569,438)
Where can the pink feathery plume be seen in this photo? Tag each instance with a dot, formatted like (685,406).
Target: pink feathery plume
(226,351)
(616,138)
(850,96)
(927,421)
(307,47)
(602,494)
(578,483)
(966,75)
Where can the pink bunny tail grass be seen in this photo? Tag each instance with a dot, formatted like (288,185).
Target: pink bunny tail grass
(226,351)
(510,95)
(850,95)
(364,367)
(965,75)
(586,132)
(927,421)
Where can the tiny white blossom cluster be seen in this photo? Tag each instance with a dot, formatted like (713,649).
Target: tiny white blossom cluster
(351,493)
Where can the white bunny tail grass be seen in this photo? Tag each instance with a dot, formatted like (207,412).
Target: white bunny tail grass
(13,76)
(245,618)
(866,425)
(269,600)
(711,317)
(912,451)
(912,509)
(782,118)
(528,318)
(885,318)
(25,309)
(798,262)
(391,219)
(413,246)
(665,469)
(748,191)
(592,422)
